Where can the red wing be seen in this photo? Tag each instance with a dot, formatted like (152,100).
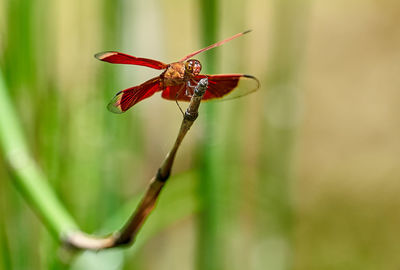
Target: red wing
(222,86)
(176,92)
(129,97)
(121,58)
(219,86)
(213,46)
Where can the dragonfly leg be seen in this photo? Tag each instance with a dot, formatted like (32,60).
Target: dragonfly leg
(176,101)
(189,89)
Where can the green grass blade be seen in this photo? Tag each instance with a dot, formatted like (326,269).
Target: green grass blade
(275,227)
(210,253)
(28,177)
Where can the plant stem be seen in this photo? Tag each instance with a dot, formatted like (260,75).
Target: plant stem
(28,177)
(210,242)
(128,233)
(279,130)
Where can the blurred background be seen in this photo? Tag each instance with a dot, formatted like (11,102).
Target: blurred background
(302,174)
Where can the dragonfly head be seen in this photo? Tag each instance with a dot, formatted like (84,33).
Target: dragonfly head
(192,67)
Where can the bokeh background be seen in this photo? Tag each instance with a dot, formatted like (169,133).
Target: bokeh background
(303,174)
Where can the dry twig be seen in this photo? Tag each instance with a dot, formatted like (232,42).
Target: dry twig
(127,234)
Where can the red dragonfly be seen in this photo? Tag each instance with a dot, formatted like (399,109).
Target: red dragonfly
(178,80)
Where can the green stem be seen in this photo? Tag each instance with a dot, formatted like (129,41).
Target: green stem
(279,130)
(210,244)
(28,177)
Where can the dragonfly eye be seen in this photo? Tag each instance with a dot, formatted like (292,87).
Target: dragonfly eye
(193,67)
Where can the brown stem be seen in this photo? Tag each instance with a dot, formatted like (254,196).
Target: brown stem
(127,234)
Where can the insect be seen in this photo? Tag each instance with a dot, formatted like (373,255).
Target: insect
(178,80)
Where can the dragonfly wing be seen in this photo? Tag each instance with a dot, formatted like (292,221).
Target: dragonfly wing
(122,58)
(224,86)
(176,92)
(213,45)
(228,86)
(129,97)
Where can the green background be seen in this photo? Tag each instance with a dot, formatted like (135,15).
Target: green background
(302,174)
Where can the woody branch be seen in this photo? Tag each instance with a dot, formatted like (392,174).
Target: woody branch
(129,231)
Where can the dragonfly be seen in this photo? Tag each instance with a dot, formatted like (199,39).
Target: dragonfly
(178,80)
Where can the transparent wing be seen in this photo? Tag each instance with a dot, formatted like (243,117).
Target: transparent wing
(213,45)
